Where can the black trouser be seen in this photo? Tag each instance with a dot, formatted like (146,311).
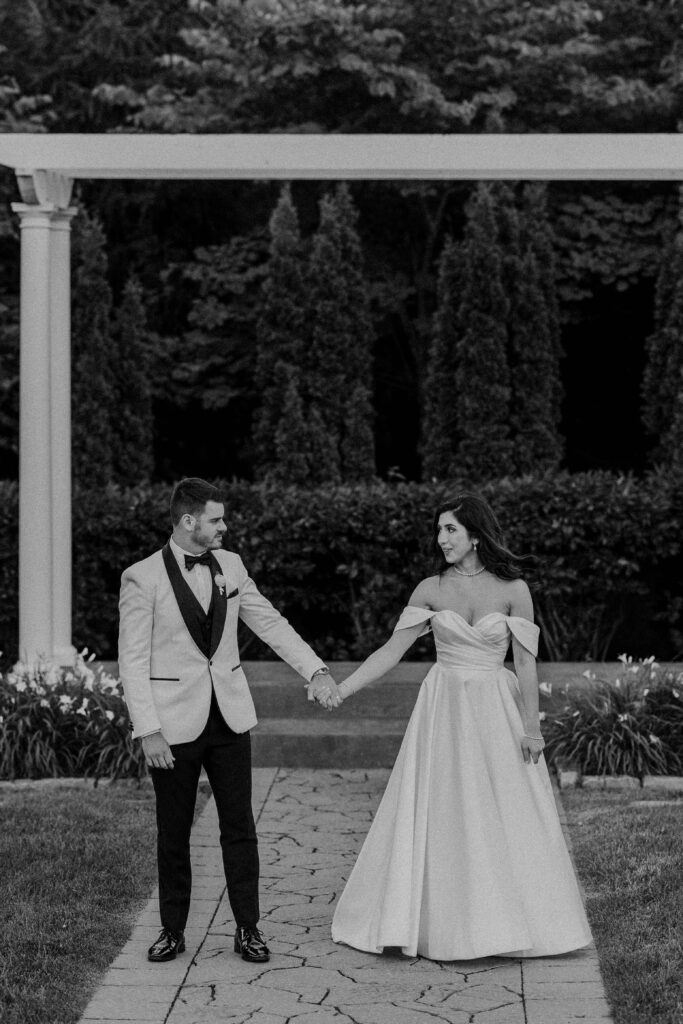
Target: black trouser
(226,756)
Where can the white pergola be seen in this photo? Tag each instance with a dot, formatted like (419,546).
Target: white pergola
(46,167)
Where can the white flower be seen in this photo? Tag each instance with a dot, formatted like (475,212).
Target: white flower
(588,674)
(654,739)
(44,703)
(622,718)
(542,716)
(109,715)
(20,687)
(219,580)
(546,688)
(676,694)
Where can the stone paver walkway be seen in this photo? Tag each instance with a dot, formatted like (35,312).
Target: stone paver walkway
(311,823)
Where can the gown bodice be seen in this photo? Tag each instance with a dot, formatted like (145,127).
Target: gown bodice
(481,646)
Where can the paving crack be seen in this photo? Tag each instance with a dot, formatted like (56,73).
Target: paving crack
(347,976)
(422,1013)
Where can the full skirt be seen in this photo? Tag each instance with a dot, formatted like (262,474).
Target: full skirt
(465,857)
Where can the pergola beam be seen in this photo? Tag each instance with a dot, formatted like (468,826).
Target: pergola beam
(284,156)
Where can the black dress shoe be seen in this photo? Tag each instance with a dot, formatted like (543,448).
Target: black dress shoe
(249,943)
(166,946)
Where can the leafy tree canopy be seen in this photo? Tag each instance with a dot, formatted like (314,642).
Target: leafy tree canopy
(425,65)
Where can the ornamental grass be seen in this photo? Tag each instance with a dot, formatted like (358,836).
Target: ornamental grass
(631,726)
(57,722)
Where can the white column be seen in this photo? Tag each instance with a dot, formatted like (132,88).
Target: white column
(60,433)
(36,593)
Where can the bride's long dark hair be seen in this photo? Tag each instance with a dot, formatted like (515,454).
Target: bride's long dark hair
(477,516)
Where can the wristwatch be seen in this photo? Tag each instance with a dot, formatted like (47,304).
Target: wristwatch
(324,671)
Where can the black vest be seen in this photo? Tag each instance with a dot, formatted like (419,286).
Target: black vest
(205,632)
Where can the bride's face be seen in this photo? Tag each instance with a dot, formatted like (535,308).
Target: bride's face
(453,538)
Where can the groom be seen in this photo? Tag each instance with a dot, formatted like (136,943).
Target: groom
(190,704)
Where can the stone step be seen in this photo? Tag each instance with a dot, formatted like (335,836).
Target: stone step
(329,742)
(289,700)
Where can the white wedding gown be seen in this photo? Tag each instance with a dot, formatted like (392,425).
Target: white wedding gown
(465,857)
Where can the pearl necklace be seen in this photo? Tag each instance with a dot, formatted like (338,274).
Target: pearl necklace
(475,573)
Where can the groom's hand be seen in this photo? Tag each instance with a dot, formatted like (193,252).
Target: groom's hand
(157,751)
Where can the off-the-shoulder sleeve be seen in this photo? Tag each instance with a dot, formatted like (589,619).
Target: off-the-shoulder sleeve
(526,632)
(413,616)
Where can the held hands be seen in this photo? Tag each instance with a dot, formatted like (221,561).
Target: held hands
(324,691)
(157,751)
(532,748)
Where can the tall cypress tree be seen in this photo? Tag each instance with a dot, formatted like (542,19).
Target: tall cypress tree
(534,412)
(92,395)
(538,237)
(533,348)
(664,348)
(132,426)
(339,366)
(439,420)
(482,376)
(280,329)
(673,439)
(292,454)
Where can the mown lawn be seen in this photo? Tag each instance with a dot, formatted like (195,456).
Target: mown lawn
(76,865)
(629,855)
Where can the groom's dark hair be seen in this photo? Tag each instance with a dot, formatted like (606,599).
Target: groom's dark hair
(190,497)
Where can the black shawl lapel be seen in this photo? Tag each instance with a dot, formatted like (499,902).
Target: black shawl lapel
(187,602)
(220,605)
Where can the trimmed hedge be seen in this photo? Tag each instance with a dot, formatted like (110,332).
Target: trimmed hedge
(341,561)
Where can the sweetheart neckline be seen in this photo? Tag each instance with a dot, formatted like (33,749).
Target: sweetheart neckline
(471,625)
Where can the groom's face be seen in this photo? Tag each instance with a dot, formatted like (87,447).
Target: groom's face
(209,527)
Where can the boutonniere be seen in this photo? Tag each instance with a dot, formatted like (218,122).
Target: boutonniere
(220,583)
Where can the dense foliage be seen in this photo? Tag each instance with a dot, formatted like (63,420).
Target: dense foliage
(314,339)
(633,726)
(65,722)
(341,561)
(482,376)
(492,389)
(200,250)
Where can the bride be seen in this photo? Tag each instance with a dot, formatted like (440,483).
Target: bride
(465,857)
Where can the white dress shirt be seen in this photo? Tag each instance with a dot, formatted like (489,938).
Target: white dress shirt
(198,578)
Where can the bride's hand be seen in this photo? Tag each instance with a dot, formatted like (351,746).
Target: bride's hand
(532,748)
(325,693)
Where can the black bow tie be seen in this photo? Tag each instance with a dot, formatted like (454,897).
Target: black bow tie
(192,560)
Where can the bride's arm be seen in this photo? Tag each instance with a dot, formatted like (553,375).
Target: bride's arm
(525,669)
(381,661)
(389,654)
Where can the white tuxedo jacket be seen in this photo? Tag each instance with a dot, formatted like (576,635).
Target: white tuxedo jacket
(167,678)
